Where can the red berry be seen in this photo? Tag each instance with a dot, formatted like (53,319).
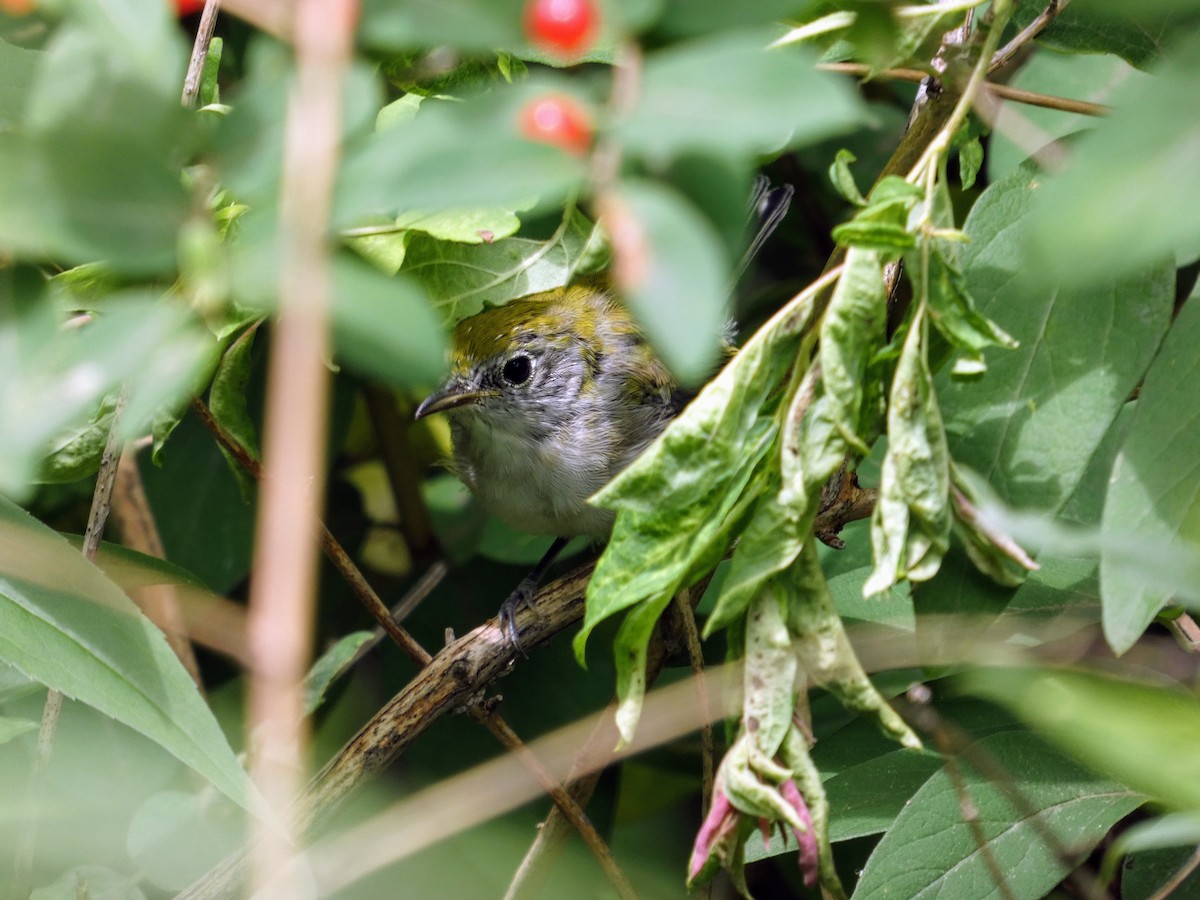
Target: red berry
(187,7)
(559,120)
(17,7)
(561,27)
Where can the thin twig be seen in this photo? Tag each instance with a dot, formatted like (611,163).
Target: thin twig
(1178,878)
(1030,98)
(195,70)
(135,523)
(589,761)
(686,618)
(1005,54)
(98,514)
(283,586)
(1186,631)
(401,468)
(562,799)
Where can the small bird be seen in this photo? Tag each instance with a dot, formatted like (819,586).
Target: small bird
(550,396)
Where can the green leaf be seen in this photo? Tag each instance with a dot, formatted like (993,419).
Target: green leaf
(770,542)
(206,525)
(1030,427)
(1138,32)
(461,278)
(1147,735)
(66,625)
(329,667)
(882,225)
(910,527)
(1077,807)
(952,310)
(865,799)
(14,728)
(766,100)
(1154,489)
(673,270)
(1146,158)
(384,327)
(853,329)
(843,179)
(629,652)
(130,570)
(676,504)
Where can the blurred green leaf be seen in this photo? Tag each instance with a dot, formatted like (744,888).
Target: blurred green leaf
(1154,489)
(676,272)
(1147,735)
(765,100)
(17,68)
(93,882)
(456,155)
(1077,807)
(71,185)
(52,381)
(1030,427)
(14,728)
(176,837)
(1146,160)
(461,278)
(384,327)
(686,17)
(1079,76)
(66,625)
(462,24)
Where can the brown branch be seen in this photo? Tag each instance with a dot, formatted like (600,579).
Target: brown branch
(204,35)
(135,523)
(1005,54)
(685,622)
(1030,98)
(282,602)
(401,467)
(563,800)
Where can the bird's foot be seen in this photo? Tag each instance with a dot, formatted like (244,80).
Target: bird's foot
(521,597)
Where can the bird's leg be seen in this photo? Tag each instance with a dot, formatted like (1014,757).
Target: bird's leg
(523,595)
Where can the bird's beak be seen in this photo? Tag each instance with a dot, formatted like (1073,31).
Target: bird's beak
(451,395)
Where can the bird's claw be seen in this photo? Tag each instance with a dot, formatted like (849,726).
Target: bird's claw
(507,618)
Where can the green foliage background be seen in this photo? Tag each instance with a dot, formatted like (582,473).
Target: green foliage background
(1034,379)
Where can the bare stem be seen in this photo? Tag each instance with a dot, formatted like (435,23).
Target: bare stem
(282,590)
(204,34)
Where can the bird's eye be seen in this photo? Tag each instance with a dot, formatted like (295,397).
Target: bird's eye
(517,370)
